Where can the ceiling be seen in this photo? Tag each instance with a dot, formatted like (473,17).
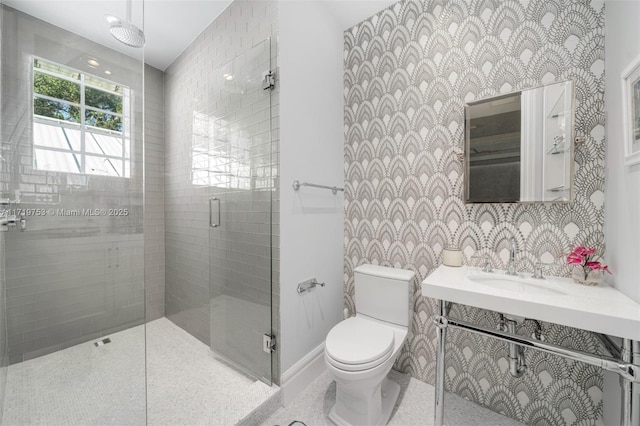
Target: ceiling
(169,25)
(351,12)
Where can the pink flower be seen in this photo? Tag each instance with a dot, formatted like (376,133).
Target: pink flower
(582,256)
(597,266)
(574,259)
(584,251)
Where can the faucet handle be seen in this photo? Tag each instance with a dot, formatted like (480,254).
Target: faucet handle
(487,262)
(538,267)
(537,271)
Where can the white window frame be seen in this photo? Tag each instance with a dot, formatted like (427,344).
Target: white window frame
(86,130)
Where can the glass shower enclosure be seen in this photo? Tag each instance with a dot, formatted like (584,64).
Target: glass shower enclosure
(78,219)
(237,154)
(71,224)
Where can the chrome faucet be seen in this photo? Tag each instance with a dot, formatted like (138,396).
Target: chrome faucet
(537,271)
(511,265)
(487,262)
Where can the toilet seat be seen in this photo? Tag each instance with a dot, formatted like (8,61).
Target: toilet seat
(358,344)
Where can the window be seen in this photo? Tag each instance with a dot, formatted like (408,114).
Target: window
(80,122)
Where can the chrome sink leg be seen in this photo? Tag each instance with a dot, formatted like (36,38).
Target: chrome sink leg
(441,337)
(630,391)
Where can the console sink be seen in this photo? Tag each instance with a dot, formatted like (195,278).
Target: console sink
(559,300)
(516,284)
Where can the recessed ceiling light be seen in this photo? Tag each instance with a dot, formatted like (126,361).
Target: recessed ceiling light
(228,77)
(93,63)
(107,72)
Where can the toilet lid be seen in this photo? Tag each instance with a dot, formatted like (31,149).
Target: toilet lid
(358,341)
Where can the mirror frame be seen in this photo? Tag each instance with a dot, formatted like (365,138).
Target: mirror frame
(571,152)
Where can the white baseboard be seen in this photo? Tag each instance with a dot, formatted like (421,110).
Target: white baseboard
(301,374)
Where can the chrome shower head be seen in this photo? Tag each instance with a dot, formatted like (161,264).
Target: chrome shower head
(125,32)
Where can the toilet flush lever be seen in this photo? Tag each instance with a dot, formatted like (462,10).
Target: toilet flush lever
(308,285)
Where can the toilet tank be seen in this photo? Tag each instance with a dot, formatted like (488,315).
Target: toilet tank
(384,293)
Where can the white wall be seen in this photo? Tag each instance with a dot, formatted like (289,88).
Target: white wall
(311,149)
(622,190)
(622,184)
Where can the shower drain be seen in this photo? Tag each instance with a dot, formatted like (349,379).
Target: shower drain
(102,342)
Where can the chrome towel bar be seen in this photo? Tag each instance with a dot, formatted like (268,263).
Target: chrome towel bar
(297,184)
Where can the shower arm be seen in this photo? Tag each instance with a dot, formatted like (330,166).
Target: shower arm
(128,10)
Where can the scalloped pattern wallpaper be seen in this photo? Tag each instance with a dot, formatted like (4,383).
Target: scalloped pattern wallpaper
(408,72)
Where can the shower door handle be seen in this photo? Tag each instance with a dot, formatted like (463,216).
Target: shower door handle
(213,224)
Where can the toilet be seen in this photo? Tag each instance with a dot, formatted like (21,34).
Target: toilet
(360,351)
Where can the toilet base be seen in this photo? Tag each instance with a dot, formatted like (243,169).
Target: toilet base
(387,394)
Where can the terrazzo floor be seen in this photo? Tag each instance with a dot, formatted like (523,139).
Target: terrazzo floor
(414,407)
(89,385)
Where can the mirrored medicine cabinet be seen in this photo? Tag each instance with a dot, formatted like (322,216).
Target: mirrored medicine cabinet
(519,146)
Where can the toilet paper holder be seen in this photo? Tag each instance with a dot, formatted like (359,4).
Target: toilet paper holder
(308,285)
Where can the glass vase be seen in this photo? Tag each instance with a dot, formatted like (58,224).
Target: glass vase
(586,276)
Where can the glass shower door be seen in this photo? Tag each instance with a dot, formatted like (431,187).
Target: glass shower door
(4,354)
(236,163)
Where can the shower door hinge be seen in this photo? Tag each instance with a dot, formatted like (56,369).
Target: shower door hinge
(269,343)
(269,81)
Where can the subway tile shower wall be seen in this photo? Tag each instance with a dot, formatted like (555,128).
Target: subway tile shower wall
(4,361)
(238,257)
(408,72)
(70,279)
(154,255)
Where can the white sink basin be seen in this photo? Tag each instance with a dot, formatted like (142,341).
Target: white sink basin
(515,284)
(601,309)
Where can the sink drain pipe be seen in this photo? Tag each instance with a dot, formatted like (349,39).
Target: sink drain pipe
(517,365)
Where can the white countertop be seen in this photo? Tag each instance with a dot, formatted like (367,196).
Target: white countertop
(600,309)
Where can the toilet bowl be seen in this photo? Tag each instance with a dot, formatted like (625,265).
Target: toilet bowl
(360,351)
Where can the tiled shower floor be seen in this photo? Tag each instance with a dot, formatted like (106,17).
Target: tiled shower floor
(88,385)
